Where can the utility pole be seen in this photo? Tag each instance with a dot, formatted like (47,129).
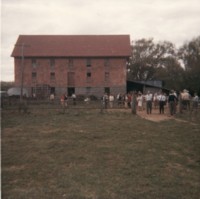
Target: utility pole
(22,69)
(22,72)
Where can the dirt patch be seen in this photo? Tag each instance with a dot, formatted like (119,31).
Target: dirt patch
(157,117)
(154,116)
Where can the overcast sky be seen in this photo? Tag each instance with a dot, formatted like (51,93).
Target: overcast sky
(177,21)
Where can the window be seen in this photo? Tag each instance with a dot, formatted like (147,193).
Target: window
(89,75)
(52,64)
(33,91)
(34,76)
(52,90)
(34,63)
(107,90)
(52,76)
(71,79)
(70,62)
(107,76)
(88,62)
(106,62)
(70,90)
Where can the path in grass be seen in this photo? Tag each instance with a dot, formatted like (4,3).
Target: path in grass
(155,116)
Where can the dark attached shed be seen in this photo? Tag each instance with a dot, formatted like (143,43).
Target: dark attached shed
(144,86)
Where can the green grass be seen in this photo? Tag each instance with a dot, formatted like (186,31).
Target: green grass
(91,155)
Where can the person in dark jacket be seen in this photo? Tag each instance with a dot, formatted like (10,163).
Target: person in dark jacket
(172,100)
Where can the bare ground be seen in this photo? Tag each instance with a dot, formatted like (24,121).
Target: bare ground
(155,116)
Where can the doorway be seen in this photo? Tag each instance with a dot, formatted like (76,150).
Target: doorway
(70,91)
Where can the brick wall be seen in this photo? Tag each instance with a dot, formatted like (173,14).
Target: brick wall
(83,78)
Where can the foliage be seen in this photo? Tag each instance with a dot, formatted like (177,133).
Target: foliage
(177,68)
(189,53)
(171,74)
(6,85)
(147,57)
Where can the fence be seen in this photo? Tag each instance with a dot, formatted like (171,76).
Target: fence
(30,103)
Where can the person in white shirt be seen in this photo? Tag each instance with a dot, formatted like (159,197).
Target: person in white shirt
(74,98)
(140,101)
(195,102)
(149,98)
(111,100)
(162,101)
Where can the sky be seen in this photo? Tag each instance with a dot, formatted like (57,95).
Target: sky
(177,21)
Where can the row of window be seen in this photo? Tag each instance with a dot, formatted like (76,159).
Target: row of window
(70,75)
(106,75)
(70,63)
(52,75)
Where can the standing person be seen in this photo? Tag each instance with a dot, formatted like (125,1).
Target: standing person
(140,101)
(105,100)
(125,100)
(195,102)
(65,100)
(62,100)
(119,99)
(172,100)
(52,97)
(34,96)
(176,104)
(74,98)
(111,100)
(185,96)
(149,98)
(162,101)
(129,99)
(87,100)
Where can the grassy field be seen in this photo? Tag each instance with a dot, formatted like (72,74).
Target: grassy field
(85,154)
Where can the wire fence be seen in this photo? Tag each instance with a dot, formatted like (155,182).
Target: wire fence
(14,103)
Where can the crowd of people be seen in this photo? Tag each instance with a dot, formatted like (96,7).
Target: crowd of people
(159,102)
(149,101)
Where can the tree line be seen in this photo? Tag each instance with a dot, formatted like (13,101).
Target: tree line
(177,68)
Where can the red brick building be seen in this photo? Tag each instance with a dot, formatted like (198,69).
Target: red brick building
(84,64)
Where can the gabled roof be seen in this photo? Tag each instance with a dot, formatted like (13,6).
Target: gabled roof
(73,46)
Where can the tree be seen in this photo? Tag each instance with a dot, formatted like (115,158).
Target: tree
(189,53)
(172,74)
(149,58)
(140,67)
(6,85)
